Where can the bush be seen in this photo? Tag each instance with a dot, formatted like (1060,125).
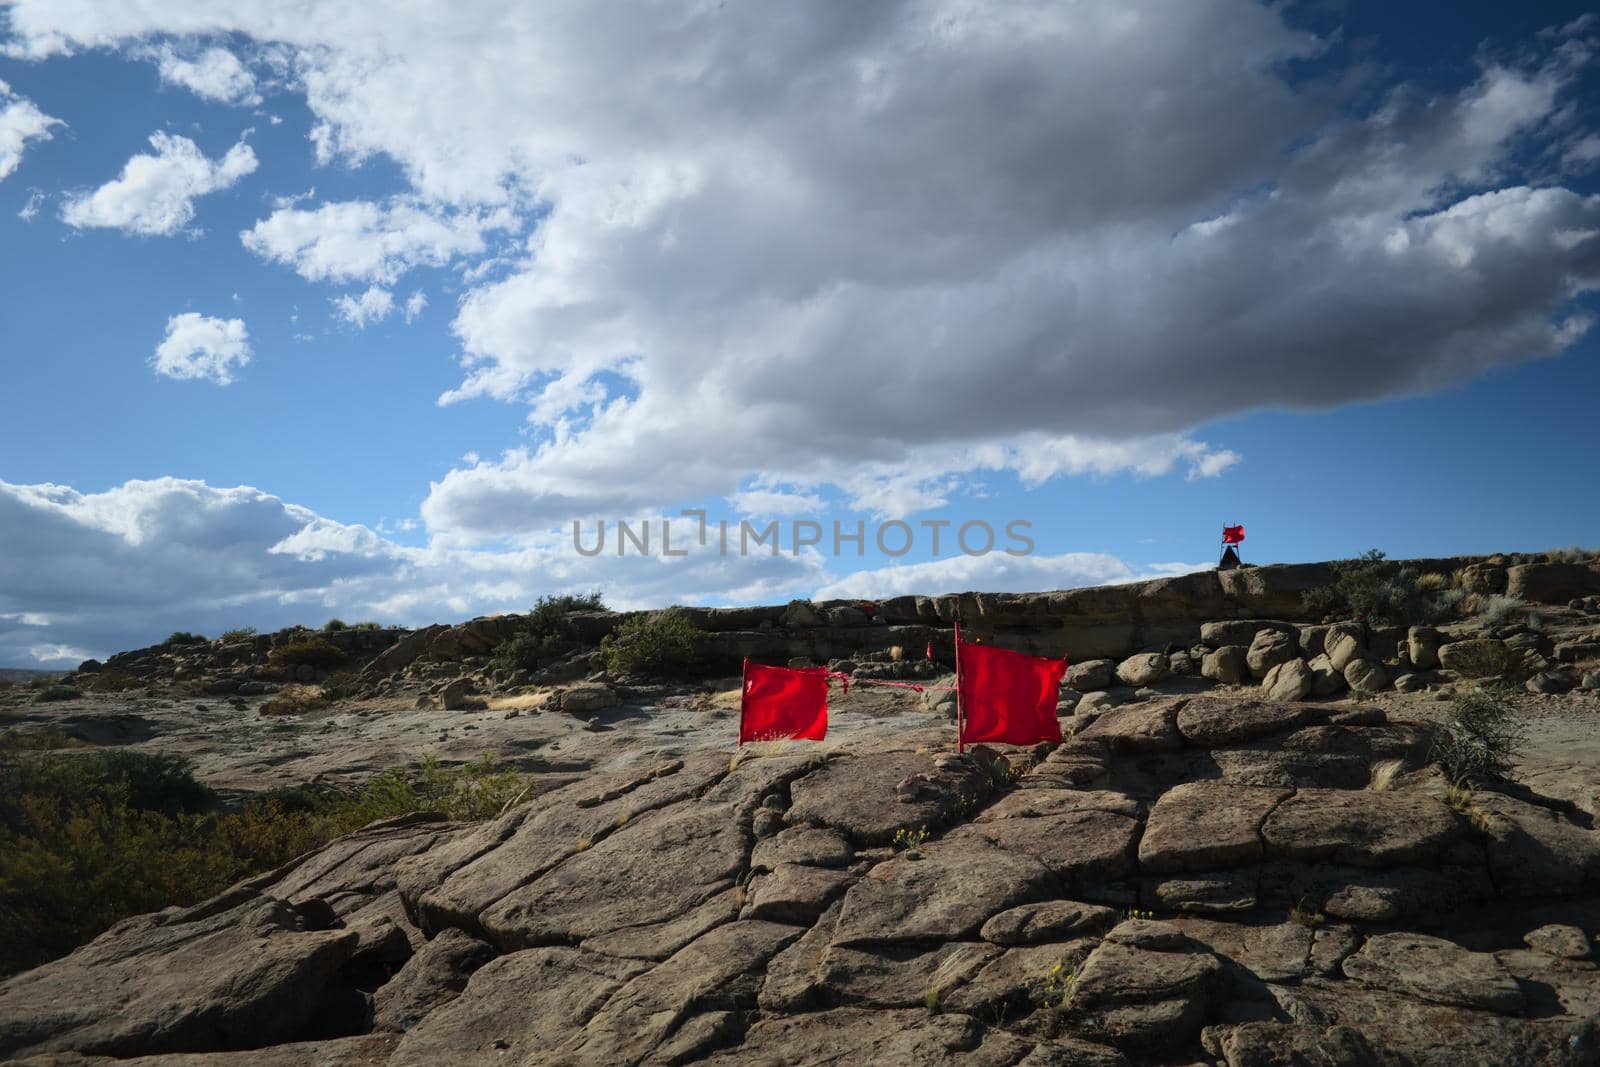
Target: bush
(547,634)
(367,625)
(86,841)
(662,644)
(295,700)
(1497,608)
(314,652)
(108,681)
(243,633)
(57,692)
(1478,742)
(1433,582)
(1375,592)
(184,637)
(334,626)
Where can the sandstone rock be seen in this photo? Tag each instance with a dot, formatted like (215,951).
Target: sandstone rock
(811,845)
(947,895)
(1422,645)
(794,893)
(189,980)
(1410,683)
(1360,827)
(1591,681)
(1142,669)
(855,794)
(1434,969)
(900,975)
(1227,665)
(1212,722)
(1270,648)
(1532,850)
(859,1035)
(435,976)
(1551,583)
(1559,940)
(1094,704)
(1085,849)
(1090,675)
(1484,578)
(457,696)
(1288,681)
(582,699)
(1201,826)
(1017,978)
(1325,681)
(1344,642)
(1202,893)
(1366,676)
(1182,665)
(1313,641)
(1137,729)
(1239,631)
(1553,682)
(1143,1000)
(1052,920)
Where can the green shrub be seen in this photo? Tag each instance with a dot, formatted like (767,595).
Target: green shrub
(87,840)
(334,625)
(1478,742)
(1375,592)
(243,633)
(367,625)
(658,645)
(57,692)
(184,637)
(313,651)
(1497,609)
(547,634)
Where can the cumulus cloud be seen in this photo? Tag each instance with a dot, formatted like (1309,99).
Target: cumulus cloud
(21,124)
(887,247)
(215,73)
(358,240)
(31,207)
(415,304)
(373,305)
(155,194)
(198,346)
(996,572)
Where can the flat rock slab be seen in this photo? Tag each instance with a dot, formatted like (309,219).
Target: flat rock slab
(1137,728)
(1085,848)
(1016,981)
(1534,851)
(433,977)
(857,795)
(856,1035)
(1434,969)
(1143,1000)
(947,895)
(1268,952)
(1360,827)
(1049,920)
(811,845)
(1210,722)
(366,1050)
(794,893)
(641,874)
(1032,803)
(1211,825)
(195,980)
(901,976)
(517,1008)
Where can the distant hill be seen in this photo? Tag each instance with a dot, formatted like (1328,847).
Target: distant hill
(25,674)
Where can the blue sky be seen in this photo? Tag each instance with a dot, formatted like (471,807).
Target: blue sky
(1122,273)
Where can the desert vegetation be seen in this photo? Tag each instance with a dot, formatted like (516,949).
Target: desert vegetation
(661,644)
(88,838)
(547,634)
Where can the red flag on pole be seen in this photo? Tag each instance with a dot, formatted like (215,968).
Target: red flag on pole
(1007,697)
(1232,535)
(783,702)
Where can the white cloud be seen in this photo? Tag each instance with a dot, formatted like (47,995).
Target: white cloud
(30,210)
(414,305)
(374,305)
(215,73)
(155,194)
(357,240)
(198,346)
(889,248)
(996,572)
(21,124)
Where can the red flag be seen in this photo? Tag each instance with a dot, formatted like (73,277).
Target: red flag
(1232,535)
(930,650)
(1007,697)
(783,702)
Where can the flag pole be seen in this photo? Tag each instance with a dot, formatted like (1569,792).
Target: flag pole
(960,724)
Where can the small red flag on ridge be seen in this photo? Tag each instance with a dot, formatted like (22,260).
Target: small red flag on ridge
(1232,535)
(1007,697)
(783,702)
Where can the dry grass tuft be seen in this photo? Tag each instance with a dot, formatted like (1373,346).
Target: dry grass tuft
(295,700)
(1384,774)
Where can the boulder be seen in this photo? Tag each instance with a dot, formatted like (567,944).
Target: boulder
(1313,640)
(584,698)
(1366,676)
(1143,669)
(1051,920)
(1270,648)
(1422,647)
(1344,642)
(1143,999)
(1090,675)
(1534,851)
(1559,681)
(1434,969)
(1289,681)
(1478,657)
(1559,940)
(1551,583)
(1238,631)
(1326,681)
(1226,665)
(1139,728)
(1484,578)
(459,695)
(1213,722)
(434,976)
(1410,683)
